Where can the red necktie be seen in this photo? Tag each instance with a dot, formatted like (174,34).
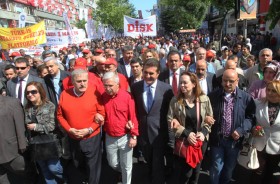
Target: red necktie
(174,84)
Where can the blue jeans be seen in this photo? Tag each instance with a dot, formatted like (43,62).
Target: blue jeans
(224,158)
(51,169)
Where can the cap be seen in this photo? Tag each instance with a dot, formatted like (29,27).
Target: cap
(80,63)
(15,54)
(224,48)
(187,58)
(64,48)
(86,51)
(152,46)
(99,51)
(210,54)
(37,53)
(111,61)
(82,45)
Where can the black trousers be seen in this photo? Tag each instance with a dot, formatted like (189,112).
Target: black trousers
(185,173)
(154,155)
(86,155)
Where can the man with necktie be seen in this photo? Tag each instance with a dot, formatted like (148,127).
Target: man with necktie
(152,99)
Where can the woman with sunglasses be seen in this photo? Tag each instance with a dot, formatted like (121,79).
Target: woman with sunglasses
(267,136)
(271,72)
(40,116)
(190,116)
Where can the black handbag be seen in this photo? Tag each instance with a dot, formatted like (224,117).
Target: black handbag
(45,147)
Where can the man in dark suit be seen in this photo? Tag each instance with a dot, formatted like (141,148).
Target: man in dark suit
(16,86)
(54,79)
(152,99)
(172,74)
(205,78)
(124,63)
(12,139)
(136,68)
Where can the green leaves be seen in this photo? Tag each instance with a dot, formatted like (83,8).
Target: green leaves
(178,14)
(273,13)
(111,12)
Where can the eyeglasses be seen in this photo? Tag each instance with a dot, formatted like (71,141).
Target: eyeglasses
(21,68)
(33,92)
(230,81)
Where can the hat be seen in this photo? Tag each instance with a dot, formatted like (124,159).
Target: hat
(14,54)
(80,63)
(111,61)
(82,45)
(187,58)
(274,65)
(37,53)
(64,48)
(210,54)
(86,51)
(152,46)
(224,48)
(99,51)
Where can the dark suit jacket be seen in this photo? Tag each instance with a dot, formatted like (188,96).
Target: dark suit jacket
(153,127)
(121,68)
(11,85)
(50,86)
(209,80)
(242,83)
(164,76)
(12,129)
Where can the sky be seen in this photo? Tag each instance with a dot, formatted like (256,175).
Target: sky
(143,5)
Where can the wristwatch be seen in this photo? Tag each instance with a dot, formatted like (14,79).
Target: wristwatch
(134,137)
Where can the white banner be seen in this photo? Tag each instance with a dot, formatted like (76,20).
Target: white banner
(60,37)
(135,27)
(69,28)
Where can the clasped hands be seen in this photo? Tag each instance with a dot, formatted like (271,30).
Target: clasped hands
(79,133)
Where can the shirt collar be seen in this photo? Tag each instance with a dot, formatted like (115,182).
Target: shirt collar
(57,75)
(24,79)
(153,85)
(177,72)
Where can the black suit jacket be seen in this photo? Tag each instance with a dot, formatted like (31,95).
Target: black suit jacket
(164,76)
(209,80)
(12,129)
(50,86)
(11,85)
(121,68)
(153,127)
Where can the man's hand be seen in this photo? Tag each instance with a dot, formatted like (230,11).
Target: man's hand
(74,132)
(31,126)
(192,138)
(174,124)
(209,120)
(129,125)
(235,135)
(200,136)
(98,118)
(132,143)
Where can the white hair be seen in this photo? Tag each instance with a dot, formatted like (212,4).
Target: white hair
(47,59)
(111,75)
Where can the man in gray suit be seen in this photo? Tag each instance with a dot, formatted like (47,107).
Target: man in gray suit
(205,78)
(12,138)
(152,99)
(16,86)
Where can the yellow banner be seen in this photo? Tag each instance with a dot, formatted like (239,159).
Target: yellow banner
(23,37)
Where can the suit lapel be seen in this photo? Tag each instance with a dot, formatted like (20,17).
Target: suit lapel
(264,111)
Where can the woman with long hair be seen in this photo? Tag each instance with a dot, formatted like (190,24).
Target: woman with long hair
(190,116)
(39,118)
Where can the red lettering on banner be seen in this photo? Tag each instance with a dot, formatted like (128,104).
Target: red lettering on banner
(136,27)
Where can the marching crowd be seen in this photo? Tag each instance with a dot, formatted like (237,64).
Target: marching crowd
(165,101)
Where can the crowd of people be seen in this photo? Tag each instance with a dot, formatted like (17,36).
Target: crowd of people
(126,97)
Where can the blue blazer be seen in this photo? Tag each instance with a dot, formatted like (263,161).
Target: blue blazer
(243,114)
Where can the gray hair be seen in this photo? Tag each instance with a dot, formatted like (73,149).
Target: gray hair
(127,48)
(200,49)
(111,75)
(265,49)
(47,59)
(77,72)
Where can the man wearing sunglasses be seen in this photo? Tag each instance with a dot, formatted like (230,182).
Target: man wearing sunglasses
(16,86)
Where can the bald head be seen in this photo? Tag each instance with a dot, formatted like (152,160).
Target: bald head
(100,64)
(100,60)
(229,80)
(201,68)
(231,64)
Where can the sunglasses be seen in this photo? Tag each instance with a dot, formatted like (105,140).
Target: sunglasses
(33,92)
(21,68)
